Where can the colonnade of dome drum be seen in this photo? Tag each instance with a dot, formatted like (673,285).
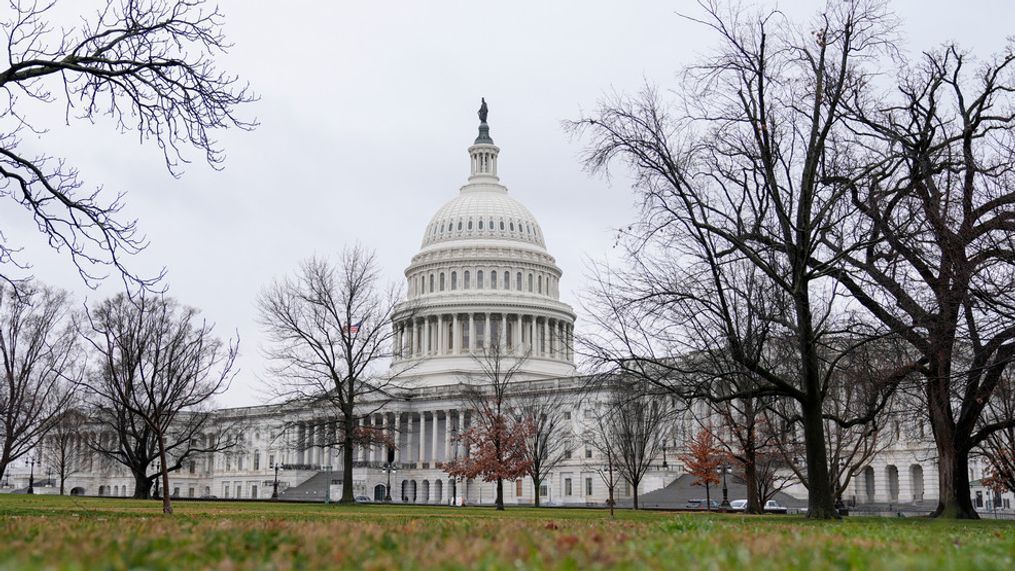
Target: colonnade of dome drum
(476,332)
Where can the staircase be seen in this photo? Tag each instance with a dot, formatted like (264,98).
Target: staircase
(314,489)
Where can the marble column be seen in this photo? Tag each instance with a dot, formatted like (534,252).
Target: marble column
(456,335)
(433,440)
(422,438)
(486,333)
(472,332)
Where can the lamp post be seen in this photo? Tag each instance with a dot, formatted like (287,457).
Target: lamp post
(274,484)
(665,465)
(31,478)
(725,505)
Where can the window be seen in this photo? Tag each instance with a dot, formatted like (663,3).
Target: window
(480,223)
(225,490)
(567,486)
(191,467)
(507,280)
(518,488)
(431,283)
(530,283)
(470,223)
(479,279)
(253,491)
(567,454)
(442,281)
(518,281)
(589,413)
(257,459)
(239,463)
(493,279)
(567,415)
(239,491)
(176,491)
(502,224)
(588,486)
(466,279)
(588,452)
(459,225)
(454,281)
(512,225)
(544,490)
(190,492)
(540,289)
(271,461)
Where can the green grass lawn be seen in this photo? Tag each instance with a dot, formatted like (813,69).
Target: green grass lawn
(46,532)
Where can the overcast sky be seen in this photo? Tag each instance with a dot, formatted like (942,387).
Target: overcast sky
(366,112)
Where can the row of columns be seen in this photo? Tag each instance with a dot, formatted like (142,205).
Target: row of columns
(418,437)
(459,334)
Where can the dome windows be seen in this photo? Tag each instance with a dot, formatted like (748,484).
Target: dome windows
(518,281)
(459,224)
(501,223)
(479,279)
(493,279)
(466,279)
(512,225)
(480,223)
(470,223)
(454,281)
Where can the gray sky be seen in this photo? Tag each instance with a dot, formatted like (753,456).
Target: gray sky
(366,112)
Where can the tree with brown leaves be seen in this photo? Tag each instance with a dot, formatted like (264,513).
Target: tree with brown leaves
(703,460)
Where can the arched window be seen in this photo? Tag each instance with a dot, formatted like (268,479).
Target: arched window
(501,223)
(518,281)
(530,283)
(540,282)
(470,223)
(442,281)
(459,225)
(493,279)
(454,281)
(431,283)
(512,226)
(507,280)
(479,279)
(466,279)
(480,223)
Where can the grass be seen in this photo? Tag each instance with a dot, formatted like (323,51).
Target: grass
(46,532)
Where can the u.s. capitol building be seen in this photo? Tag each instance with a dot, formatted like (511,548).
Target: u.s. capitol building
(482,276)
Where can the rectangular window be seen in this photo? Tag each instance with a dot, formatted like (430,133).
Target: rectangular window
(190,492)
(271,461)
(257,459)
(588,452)
(567,486)
(544,490)
(225,489)
(192,467)
(176,491)
(567,415)
(253,491)
(518,488)
(518,281)
(239,491)
(567,454)
(588,486)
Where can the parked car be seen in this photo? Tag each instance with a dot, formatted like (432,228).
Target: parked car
(738,505)
(774,507)
(700,504)
(363,500)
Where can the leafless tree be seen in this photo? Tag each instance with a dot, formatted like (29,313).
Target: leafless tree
(934,193)
(62,449)
(550,432)
(599,438)
(157,365)
(146,65)
(998,448)
(39,351)
(735,210)
(329,331)
(631,427)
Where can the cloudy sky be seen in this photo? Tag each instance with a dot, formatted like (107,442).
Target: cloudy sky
(366,111)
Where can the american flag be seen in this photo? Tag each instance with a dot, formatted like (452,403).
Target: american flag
(353,329)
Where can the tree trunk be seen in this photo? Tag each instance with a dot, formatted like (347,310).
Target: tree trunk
(751,479)
(500,494)
(63,480)
(634,492)
(612,502)
(708,498)
(167,502)
(142,485)
(953,480)
(820,500)
(535,486)
(347,459)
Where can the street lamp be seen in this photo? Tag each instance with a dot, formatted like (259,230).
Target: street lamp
(665,465)
(31,478)
(274,484)
(725,491)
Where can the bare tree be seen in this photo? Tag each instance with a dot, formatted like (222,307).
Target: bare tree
(631,427)
(550,433)
(157,366)
(147,65)
(329,329)
(39,350)
(497,441)
(937,210)
(599,437)
(735,210)
(999,447)
(62,449)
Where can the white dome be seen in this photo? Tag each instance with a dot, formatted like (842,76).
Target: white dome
(487,213)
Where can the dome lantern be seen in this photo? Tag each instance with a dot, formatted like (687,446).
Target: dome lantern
(483,153)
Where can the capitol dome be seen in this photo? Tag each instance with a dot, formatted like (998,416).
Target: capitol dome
(483,283)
